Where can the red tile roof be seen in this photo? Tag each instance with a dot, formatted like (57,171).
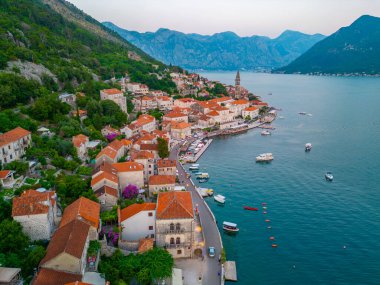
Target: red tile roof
(79,139)
(13,135)
(150,146)
(174,114)
(112,91)
(251,108)
(134,209)
(161,179)
(166,163)
(174,205)
(107,151)
(70,238)
(240,102)
(4,174)
(32,202)
(128,166)
(107,190)
(84,208)
(49,276)
(143,154)
(104,175)
(213,113)
(180,125)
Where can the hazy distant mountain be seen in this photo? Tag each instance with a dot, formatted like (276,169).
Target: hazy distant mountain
(223,51)
(352,49)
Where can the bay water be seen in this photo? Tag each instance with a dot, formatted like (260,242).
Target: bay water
(327,233)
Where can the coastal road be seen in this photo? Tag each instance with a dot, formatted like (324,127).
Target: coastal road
(212,268)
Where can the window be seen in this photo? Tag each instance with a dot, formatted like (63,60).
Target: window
(172,227)
(171,240)
(152,235)
(150,214)
(177,226)
(178,240)
(179,251)
(151,228)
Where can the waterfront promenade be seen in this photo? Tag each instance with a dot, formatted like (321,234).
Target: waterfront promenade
(211,266)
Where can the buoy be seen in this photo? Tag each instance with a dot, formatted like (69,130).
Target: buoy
(274,245)
(267,221)
(271,238)
(344,247)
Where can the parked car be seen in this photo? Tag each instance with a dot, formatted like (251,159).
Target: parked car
(211,251)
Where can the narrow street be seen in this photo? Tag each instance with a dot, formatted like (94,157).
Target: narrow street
(212,269)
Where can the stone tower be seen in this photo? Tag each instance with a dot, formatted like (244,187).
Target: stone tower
(237,85)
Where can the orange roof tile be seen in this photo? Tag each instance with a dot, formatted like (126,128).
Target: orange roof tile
(82,207)
(221,99)
(213,113)
(126,143)
(107,190)
(207,104)
(251,108)
(104,175)
(107,151)
(29,205)
(174,205)
(166,163)
(44,195)
(144,119)
(70,238)
(13,135)
(134,209)
(49,276)
(79,139)
(161,179)
(128,166)
(163,98)
(112,91)
(143,154)
(174,114)
(146,98)
(149,146)
(116,145)
(240,102)
(145,245)
(4,174)
(180,125)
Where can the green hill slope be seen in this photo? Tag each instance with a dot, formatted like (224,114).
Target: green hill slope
(52,40)
(353,49)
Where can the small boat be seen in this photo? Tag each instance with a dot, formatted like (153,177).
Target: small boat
(302,113)
(264,213)
(310,115)
(264,204)
(267,221)
(308,147)
(250,208)
(329,176)
(202,180)
(203,175)
(281,117)
(271,238)
(264,207)
(230,227)
(194,167)
(266,133)
(210,192)
(274,245)
(220,198)
(264,157)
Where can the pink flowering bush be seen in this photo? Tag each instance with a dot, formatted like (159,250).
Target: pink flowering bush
(131,191)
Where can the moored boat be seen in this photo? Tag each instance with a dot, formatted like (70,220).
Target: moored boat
(250,208)
(220,198)
(264,157)
(194,167)
(266,133)
(308,147)
(329,176)
(203,175)
(202,180)
(230,227)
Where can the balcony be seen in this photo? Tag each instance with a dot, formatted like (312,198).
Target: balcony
(179,231)
(178,245)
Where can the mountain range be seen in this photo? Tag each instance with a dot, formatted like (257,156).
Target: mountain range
(351,50)
(221,51)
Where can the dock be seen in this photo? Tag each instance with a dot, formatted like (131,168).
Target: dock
(200,152)
(230,271)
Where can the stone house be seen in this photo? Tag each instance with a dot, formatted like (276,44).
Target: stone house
(252,112)
(137,221)
(36,212)
(130,173)
(80,143)
(13,144)
(116,96)
(159,183)
(180,130)
(166,167)
(175,223)
(174,116)
(165,102)
(147,159)
(6,178)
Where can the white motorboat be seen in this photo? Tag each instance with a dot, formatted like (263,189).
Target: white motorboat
(308,147)
(202,175)
(302,113)
(194,167)
(205,192)
(230,227)
(264,157)
(329,176)
(220,199)
(266,133)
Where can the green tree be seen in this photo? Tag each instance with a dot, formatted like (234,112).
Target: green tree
(20,167)
(163,148)
(5,209)
(13,240)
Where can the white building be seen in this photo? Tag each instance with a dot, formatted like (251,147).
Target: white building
(130,173)
(13,144)
(137,221)
(159,183)
(252,112)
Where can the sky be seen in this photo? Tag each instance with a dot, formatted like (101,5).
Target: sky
(244,17)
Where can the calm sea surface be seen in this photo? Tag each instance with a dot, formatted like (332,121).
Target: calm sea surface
(327,233)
